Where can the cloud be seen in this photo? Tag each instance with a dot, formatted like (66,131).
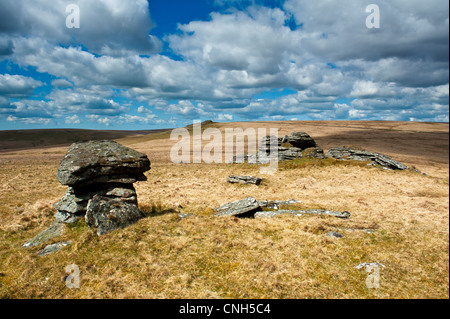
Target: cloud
(34,120)
(409,29)
(61,83)
(225,117)
(218,68)
(110,27)
(74,119)
(256,41)
(6,46)
(124,119)
(17,85)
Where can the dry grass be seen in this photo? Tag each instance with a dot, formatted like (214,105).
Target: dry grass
(204,256)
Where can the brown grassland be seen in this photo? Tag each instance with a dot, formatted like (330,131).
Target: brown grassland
(204,256)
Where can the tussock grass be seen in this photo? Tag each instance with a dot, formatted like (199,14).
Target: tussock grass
(306,162)
(204,256)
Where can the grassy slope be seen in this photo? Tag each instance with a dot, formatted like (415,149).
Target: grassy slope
(26,139)
(209,257)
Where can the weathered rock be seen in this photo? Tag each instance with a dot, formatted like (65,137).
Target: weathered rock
(50,249)
(265,214)
(346,153)
(260,158)
(242,208)
(67,218)
(101,162)
(334,234)
(115,179)
(281,154)
(74,203)
(269,143)
(301,140)
(269,213)
(251,208)
(233,179)
(54,230)
(183,216)
(107,214)
(343,215)
(364,265)
(288,154)
(284,139)
(386,161)
(270,149)
(275,204)
(314,152)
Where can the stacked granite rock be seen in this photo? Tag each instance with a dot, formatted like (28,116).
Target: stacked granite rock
(100,176)
(272,147)
(376,159)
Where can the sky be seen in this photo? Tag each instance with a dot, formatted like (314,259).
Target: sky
(138,65)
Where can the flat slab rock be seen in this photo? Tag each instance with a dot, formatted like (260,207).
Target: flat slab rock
(53,248)
(242,208)
(54,230)
(251,208)
(102,162)
(275,204)
(233,179)
(267,214)
(346,153)
(108,214)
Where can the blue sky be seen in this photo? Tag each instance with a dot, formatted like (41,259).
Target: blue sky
(164,63)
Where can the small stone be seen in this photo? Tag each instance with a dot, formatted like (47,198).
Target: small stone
(244,179)
(265,214)
(50,249)
(183,216)
(334,234)
(54,230)
(364,265)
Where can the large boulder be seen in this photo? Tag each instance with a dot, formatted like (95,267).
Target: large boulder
(74,202)
(268,144)
(100,176)
(96,162)
(107,214)
(301,140)
(271,149)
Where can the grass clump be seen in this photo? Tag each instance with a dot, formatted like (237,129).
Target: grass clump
(308,162)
